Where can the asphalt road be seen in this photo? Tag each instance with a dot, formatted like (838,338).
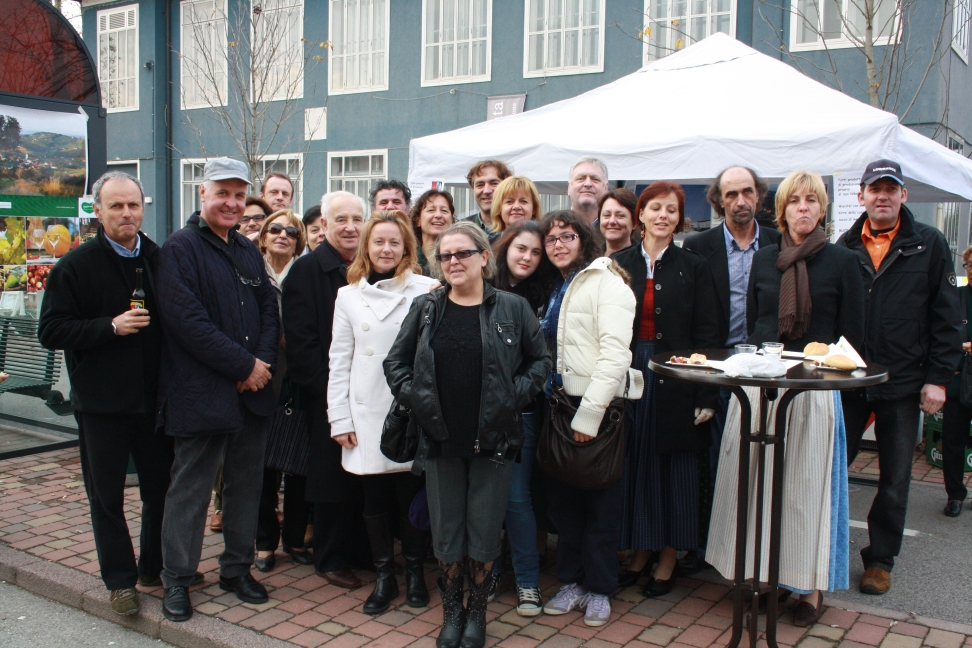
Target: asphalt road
(30,621)
(933,573)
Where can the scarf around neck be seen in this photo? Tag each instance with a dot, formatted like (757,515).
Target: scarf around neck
(795,306)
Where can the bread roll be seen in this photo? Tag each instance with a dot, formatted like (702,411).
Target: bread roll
(697,358)
(816,349)
(839,361)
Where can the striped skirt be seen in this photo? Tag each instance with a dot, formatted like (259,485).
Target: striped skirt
(661,491)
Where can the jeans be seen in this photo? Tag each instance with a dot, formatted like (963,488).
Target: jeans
(896,429)
(956,418)
(521,523)
(105,443)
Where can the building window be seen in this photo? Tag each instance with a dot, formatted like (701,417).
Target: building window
(290,166)
(819,24)
(455,41)
(358,31)
(118,57)
(356,171)
(192,177)
(961,13)
(462,200)
(563,37)
(203,53)
(278,50)
(671,25)
(554,202)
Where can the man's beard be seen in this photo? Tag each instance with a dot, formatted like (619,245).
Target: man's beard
(742,218)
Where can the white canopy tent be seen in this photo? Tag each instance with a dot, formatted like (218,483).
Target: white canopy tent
(690,115)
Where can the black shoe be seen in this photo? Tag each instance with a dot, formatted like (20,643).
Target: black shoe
(413,546)
(692,563)
(247,588)
(149,581)
(302,557)
(953,508)
(383,549)
(655,587)
(453,614)
(265,564)
(176,605)
(474,635)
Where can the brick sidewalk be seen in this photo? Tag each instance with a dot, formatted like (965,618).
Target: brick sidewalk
(44,512)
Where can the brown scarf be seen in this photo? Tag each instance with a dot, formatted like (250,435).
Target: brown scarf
(795,303)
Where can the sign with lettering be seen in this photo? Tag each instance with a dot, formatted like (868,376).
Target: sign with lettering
(504,105)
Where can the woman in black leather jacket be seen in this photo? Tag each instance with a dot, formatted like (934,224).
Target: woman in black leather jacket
(467,360)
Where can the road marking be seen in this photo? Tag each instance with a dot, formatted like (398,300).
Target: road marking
(863,525)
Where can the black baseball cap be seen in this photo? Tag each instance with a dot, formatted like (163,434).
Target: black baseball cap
(882,169)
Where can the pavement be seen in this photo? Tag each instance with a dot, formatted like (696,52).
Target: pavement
(46,547)
(31,621)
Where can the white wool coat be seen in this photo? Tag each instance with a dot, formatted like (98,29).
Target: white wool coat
(366,322)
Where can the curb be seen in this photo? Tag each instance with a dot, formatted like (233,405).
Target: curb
(85,592)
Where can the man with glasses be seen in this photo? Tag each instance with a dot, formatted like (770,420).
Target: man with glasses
(255,212)
(222,330)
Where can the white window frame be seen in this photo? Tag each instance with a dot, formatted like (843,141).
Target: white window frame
(466,78)
(283,93)
(183,216)
(686,37)
(961,13)
(844,41)
(106,93)
(377,87)
(547,71)
(298,180)
(344,154)
(217,26)
(136,162)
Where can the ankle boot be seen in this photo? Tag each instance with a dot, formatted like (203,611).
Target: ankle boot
(474,635)
(453,614)
(413,543)
(383,548)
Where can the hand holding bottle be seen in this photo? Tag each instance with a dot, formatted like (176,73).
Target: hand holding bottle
(131,321)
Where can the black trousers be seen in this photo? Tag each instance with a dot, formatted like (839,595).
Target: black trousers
(295,512)
(956,419)
(896,429)
(106,441)
(589,525)
(390,493)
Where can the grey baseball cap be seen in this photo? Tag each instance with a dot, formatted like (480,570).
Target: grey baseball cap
(224,168)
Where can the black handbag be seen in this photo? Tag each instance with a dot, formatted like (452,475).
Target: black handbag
(593,465)
(288,437)
(965,388)
(399,436)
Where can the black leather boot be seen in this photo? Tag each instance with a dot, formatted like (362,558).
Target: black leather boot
(453,614)
(383,549)
(413,544)
(474,636)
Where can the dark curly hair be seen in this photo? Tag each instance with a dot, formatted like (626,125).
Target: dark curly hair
(535,288)
(416,214)
(590,249)
(390,184)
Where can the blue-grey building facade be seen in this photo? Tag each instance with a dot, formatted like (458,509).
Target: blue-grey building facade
(367,76)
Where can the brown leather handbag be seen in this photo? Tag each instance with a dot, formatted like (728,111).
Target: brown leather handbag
(594,465)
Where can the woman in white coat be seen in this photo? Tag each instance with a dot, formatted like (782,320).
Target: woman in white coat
(382,281)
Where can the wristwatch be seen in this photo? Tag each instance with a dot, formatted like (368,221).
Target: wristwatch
(114,328)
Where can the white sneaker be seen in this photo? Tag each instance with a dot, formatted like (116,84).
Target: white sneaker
(598,610)
(569,597)
(528,601)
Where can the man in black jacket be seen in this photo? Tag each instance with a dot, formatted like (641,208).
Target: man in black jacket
(912,328)
(113,353)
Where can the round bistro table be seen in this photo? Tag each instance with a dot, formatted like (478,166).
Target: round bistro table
(798,379)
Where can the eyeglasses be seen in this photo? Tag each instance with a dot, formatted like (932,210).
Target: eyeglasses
(967,266)
(461,255)
(551,241)
(248,282)
(259,218)
(290,230)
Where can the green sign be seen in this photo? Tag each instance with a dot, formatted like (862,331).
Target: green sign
(49,206)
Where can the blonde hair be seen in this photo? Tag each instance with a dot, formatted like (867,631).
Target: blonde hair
(796,182)
(509,186)
(292,219)
(361,267)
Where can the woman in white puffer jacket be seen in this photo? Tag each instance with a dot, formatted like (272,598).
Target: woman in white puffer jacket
(588,326)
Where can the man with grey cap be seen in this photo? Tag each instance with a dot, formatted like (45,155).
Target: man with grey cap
(222,331)
(912,328)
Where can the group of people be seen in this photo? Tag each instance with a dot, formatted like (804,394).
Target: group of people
(468,326)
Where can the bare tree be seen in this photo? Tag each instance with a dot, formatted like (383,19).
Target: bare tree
(246,74)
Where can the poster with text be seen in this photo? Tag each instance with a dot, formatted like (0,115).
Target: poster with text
(42,152)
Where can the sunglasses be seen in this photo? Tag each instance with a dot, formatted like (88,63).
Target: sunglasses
(290,230)
(461,255)
(256,219)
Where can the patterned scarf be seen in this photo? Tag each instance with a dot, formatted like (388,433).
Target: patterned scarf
(795,306)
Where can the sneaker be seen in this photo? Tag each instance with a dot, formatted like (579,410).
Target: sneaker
(124,601)
(598,610)
(570,596)
(528,601)
(492,583)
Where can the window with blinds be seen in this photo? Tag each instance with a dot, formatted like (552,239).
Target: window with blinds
(118,57)
(671,25)
(277,53)
(203,56)
(358,31)
(456,41)
(563,37)
(356,171)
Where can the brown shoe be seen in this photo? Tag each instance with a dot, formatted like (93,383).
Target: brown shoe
(805,614)
(875,581)
(342,578)
(216,523)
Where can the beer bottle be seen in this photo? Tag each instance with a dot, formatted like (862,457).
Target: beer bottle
(138,295)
